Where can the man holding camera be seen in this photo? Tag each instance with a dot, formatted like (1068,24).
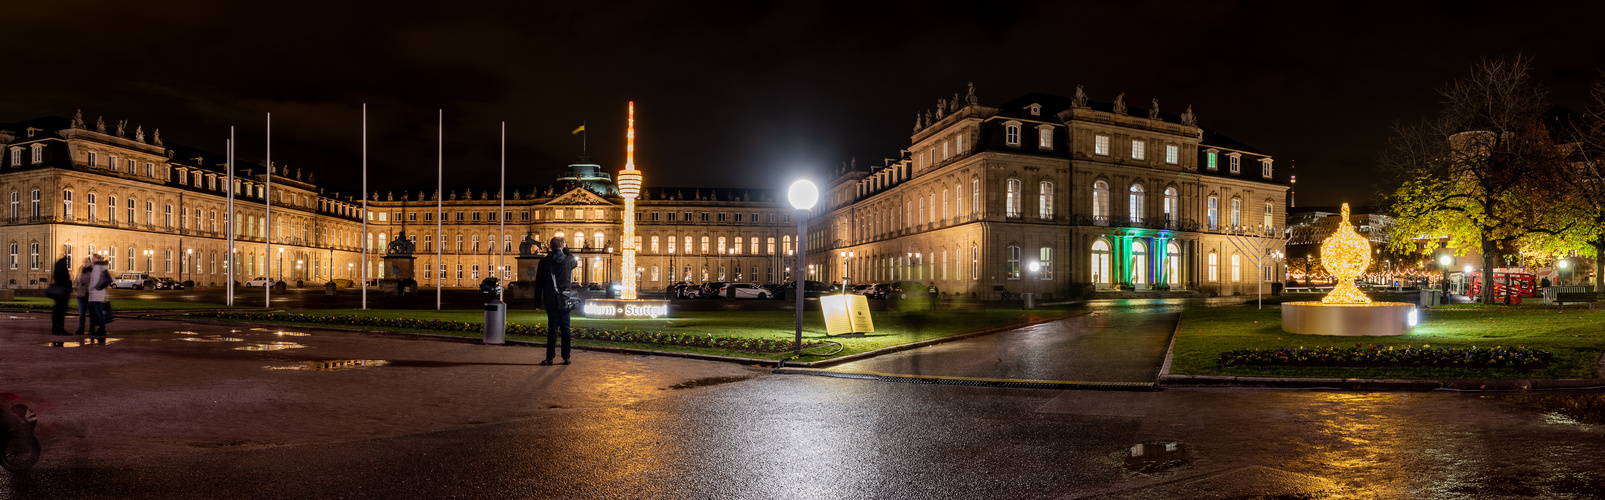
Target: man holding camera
(552,278)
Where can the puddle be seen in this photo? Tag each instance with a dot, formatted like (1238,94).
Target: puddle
(331,365)
(81,343)
(270,346)
(211,338)
(1156,456)
(18,317)
(704,382)
(1564,408)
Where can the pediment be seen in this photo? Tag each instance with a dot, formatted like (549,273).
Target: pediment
(579,196)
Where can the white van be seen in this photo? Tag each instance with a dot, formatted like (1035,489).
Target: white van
(137,281)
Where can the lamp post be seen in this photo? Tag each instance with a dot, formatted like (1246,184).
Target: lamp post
(1034,266)
(1561,276)
(281,264)
(298,269)
(350,273)
(847,269)
(802,195)
(1444,261)
(149,265)
(189,256)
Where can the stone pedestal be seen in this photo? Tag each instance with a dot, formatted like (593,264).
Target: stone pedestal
(523,286)
(398,281)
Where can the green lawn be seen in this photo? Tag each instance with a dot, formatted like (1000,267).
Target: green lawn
(1576,337)
(890,328)
(118,305)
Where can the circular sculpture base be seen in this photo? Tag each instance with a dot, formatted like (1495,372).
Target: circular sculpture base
(1376,318)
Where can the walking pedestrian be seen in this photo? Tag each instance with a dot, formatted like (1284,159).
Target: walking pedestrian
(552,277)
(80,287)
(99,280)
(59,291)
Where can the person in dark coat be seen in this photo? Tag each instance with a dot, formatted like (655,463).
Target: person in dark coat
(552,276)
(60,290)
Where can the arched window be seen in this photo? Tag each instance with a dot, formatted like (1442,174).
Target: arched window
(1172,205)
(975,196)
(1269,211)
(1172,264)
(1011,133)
(1100,203)
(975,262)
(1100,262)
(1012,199)
(1212,213)
(1139,262)
(1045,256)
(66,204)
(1012,265)
(1137,203)
(474,248)
(944,204)
(1213,266)
(704,247)
(655,250)
(1237,212)
(1045,200)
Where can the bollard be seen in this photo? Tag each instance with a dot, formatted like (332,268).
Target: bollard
(1030,300)
(495,322)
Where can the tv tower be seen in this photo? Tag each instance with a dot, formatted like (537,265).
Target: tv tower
(629,182)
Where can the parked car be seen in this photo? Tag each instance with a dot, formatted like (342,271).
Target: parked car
(746,291)
(165,283)
(137,281)
(877,291)
(259,282)
(811,289)
(710,290)
(342,283)
(862,289)
(682,290)
(906,289)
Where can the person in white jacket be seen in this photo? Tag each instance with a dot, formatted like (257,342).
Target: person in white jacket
(99,280)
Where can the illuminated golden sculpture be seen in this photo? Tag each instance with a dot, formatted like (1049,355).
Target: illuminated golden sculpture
(1345,255)
(629,182)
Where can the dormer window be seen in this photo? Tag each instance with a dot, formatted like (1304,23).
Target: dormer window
(1045,137)
(1236,160)
(1011,133)
(1034,109)
(31,131)
(1265,167)
(1210,158)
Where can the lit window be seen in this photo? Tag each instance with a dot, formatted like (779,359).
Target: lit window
(1172,154)
(1265,168)
(1100,201)
(1214,267)
(1045,137)
(1045,200)
(1046,257)
(1011,268)
(1100,145)
(1269,210)
(1212,213)
(1237,212)
(1237,268)
(1172,205)
(1139,149)
(1137,204)
(1012,208)
(1209,160)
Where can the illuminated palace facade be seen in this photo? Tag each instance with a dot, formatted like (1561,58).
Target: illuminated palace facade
(1096,193)
(148,207)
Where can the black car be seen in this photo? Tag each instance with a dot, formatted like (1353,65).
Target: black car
(877,291)
(683,290)
(906,289)
(811,289)
(168,284)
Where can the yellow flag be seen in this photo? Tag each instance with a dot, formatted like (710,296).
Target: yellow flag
(578,130)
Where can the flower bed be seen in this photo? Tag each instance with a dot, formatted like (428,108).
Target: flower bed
(1379,355)
(730,342)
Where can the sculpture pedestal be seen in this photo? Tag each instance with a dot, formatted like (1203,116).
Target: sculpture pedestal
(1376,318)
(523,287)
(398,281)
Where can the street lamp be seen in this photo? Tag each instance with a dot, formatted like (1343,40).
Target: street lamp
(149,265)
(1561,276)
(281,264)
(1444,261)
(802,195)
(1034,266)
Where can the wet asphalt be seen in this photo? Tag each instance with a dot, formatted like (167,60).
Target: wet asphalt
(154,416)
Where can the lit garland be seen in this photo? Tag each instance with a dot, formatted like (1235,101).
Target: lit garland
(629,187)
(1346,255)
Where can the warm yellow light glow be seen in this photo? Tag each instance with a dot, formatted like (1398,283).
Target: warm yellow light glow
(1346,255)
(629,187)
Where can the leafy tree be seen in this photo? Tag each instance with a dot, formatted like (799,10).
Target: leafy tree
(1476,174)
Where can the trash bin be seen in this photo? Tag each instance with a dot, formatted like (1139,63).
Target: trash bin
(1431,298)
(1030,300)
(495,322)
(328,288)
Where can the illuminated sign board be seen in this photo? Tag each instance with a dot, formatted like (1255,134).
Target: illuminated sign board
(625,309)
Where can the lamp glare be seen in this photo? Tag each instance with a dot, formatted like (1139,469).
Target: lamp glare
(802,194)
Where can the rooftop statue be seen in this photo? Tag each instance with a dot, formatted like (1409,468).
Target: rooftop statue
(1120,104)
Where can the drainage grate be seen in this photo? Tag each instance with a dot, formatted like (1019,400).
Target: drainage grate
(976,382)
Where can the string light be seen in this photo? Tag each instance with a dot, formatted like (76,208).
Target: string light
(629,182)
(1345,255)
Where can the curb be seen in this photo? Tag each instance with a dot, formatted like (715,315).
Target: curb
(914,345)
(976,381)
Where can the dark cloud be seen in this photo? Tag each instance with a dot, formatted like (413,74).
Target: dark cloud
(752,93)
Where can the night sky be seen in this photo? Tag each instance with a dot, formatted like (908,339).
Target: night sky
(753,94)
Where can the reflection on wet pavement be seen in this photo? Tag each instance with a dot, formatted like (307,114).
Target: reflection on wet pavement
(270,346)
(1564,408)
(212,338)
(82,343)
(704,382)
(1156,456)
(292,334)
(186,332)
(331,365)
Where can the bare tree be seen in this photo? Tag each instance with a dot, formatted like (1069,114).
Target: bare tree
(1470,176)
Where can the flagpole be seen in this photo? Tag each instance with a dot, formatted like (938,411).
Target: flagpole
(440,186)
(501,251)
(229,258)
(268,221)
(366,238)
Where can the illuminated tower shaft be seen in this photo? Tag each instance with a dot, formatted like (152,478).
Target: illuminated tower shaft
(630,187)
